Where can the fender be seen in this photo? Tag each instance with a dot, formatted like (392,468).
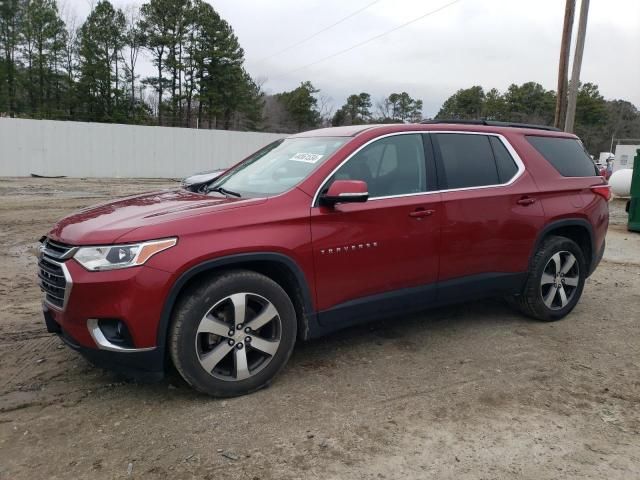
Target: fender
(238,259)
(568,222)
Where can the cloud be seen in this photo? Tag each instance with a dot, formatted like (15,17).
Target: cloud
(492,43)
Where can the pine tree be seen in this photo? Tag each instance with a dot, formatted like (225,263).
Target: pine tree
(156,28)
(100,43)
(42,41)
(10,25)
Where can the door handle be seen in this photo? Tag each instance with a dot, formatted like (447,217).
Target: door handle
(421,213)
(525,201)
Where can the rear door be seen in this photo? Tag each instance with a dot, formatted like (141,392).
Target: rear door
(364,252)
(491,215)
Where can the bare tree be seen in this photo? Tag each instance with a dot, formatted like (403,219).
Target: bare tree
(383,108)
(69,52)
(275,115)
(133,42)
(326,108)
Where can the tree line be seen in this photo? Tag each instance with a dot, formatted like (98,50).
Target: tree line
(55,69)
(306,107)
(396,108)
(598,120)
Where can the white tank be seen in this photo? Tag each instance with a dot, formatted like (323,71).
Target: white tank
(620,182)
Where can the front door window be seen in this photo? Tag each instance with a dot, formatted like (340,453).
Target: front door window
(390,166)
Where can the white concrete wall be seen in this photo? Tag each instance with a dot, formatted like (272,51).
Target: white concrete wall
(77,149)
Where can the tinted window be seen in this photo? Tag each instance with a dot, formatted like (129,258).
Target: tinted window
(467,160)
(567,155)
(390,166)
(507,167)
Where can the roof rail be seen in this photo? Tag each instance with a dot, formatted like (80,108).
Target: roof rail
(494,123)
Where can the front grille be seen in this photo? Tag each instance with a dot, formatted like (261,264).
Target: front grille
(53,276)
(56,250)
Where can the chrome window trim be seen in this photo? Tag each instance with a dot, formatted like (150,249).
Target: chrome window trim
(67,289)
(514,155)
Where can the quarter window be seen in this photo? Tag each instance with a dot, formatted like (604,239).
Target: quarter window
(390,166)
(567,155)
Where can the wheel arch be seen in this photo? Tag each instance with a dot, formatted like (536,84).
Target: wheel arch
(576,229)
(279,267)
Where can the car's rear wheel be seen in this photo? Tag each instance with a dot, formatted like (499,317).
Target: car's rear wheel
(233,334)
(555,281)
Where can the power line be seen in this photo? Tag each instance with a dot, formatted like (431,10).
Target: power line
(352,47)
(329,27)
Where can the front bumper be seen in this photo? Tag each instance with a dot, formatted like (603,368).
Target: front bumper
(134,296)
(144,366)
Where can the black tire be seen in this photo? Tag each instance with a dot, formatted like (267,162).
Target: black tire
(194,305)
(531,301)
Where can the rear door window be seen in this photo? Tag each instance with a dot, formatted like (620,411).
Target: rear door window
(567,155)
(467,160)
(507,167)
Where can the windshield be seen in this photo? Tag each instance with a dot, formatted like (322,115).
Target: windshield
(277,167)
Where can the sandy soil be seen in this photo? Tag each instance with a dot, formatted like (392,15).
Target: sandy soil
(467,392)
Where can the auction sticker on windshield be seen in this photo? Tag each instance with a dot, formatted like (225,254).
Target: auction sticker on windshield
(306,157)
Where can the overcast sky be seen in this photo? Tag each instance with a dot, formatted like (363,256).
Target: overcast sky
(492,43)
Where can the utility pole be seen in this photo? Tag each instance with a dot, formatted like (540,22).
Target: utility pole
(577,64)
(563,66)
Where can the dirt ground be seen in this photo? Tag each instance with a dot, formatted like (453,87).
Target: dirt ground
(466,392)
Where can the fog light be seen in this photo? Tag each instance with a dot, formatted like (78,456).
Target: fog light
(113,335)
(116,332)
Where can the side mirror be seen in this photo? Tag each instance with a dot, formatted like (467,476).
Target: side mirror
(345,191)
(195,182)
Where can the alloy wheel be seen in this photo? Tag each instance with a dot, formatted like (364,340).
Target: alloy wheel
(560,280)
(238,336)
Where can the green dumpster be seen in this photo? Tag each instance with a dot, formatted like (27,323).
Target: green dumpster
(634,203)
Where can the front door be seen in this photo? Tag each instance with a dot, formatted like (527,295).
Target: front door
(381,254)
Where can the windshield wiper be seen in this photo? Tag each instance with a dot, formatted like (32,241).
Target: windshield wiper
(224,191)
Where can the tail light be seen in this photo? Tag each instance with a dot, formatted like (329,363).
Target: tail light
(603,190)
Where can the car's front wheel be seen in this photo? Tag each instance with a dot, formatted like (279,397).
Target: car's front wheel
(555,281)
(233,334)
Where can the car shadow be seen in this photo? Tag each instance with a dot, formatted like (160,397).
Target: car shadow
(319,354)
(488,311)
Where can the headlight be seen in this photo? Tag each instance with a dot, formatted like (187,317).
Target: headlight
(121,256)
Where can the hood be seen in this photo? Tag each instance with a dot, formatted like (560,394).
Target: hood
(105,223)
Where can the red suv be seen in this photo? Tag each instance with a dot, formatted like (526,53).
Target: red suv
(320,231)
